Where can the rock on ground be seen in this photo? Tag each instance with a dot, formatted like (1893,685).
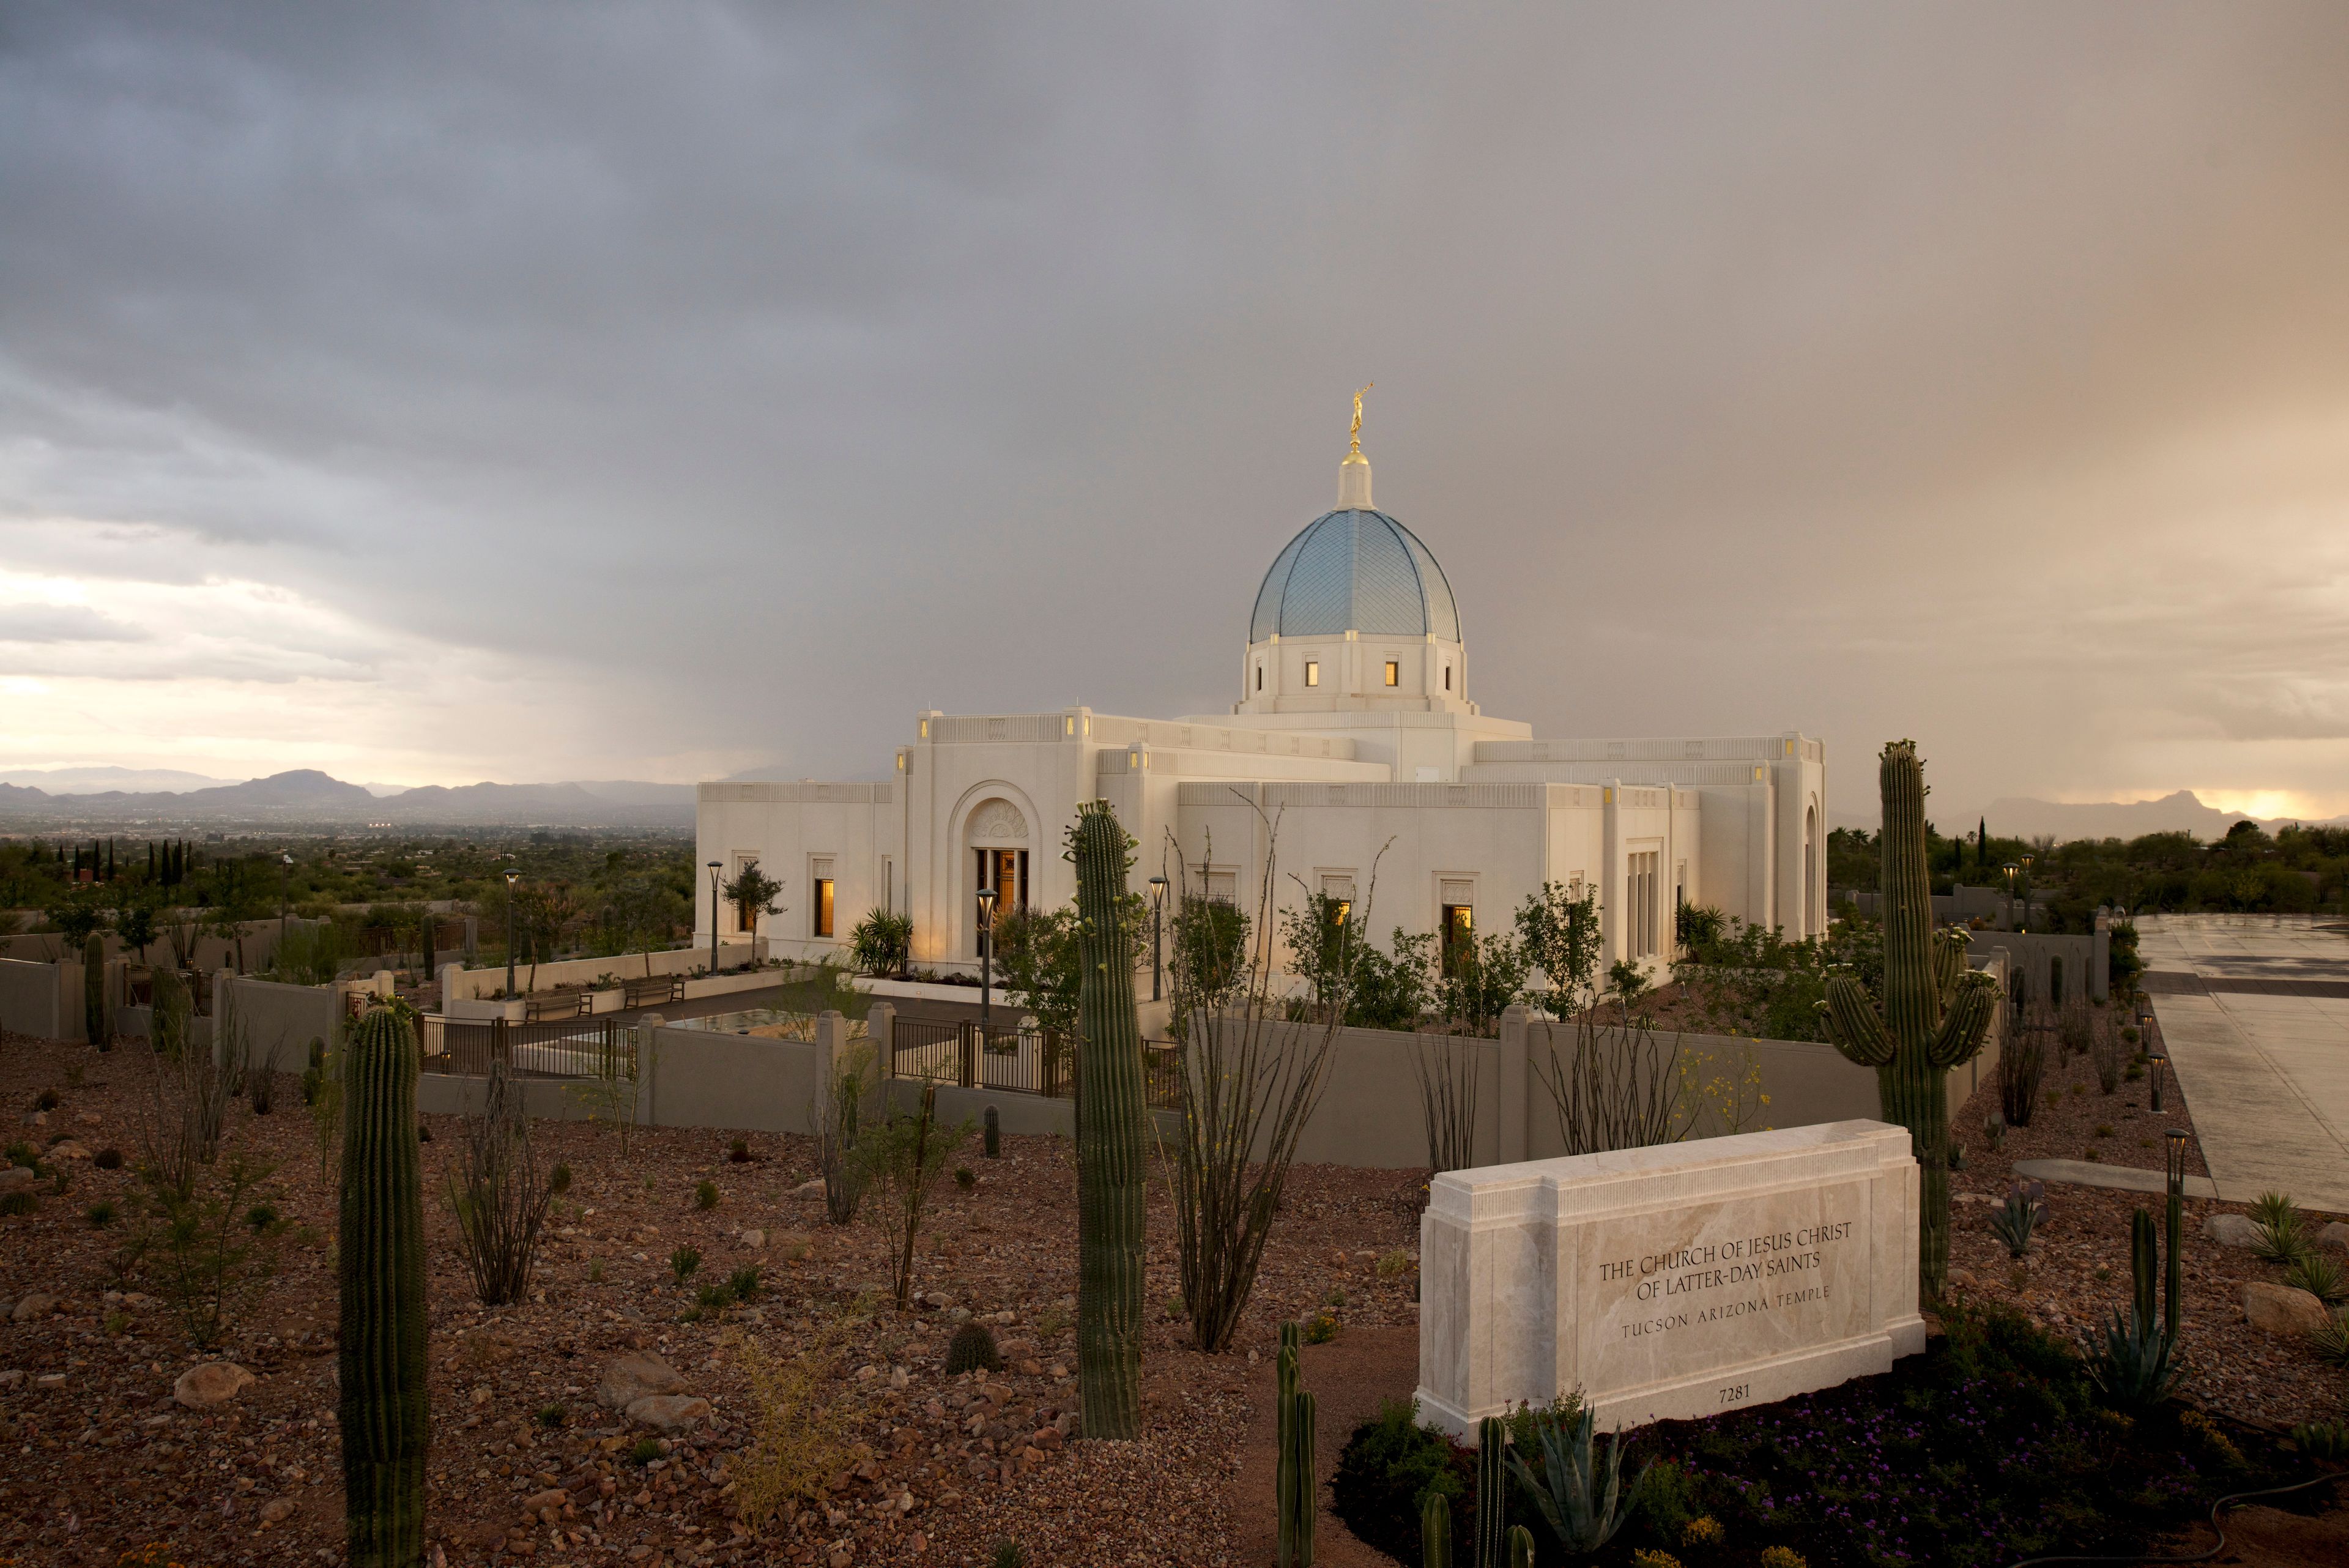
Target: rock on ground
(33,1306)
(2230,1230)
(2335,1235)
(670,1412)
(213,1383)
(636,1375)
(2282,1309)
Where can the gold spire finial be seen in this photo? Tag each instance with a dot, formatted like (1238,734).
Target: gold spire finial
(1358,419)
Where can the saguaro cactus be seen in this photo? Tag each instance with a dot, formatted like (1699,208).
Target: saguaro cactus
(1299,1457)
(1521,1547)
(1109,1134)
(98,1024)
(1435,1531)
(1491,1490)
(1934,1010)
(1284,1411)
(385,1409)
(994,1133)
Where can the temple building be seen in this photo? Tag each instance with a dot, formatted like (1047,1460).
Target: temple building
(1353,744)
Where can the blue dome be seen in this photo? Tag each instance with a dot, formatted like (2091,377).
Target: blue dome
(1355,570)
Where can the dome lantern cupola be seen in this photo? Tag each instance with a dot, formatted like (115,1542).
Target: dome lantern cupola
(1355,613)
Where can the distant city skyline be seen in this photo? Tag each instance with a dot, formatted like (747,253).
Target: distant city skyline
(431,396)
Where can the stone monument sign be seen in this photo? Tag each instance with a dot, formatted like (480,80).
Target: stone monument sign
(1673,1281)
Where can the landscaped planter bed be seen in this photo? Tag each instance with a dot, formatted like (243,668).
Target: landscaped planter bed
(87,1477)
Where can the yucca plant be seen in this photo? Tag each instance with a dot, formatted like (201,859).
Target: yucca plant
(2277,1235)
(1578,1495)
(2013,1222)
(2331,1343)
(2319,1275)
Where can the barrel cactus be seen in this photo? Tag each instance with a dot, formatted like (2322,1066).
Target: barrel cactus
(385,1412)
(1109,1134)
(1934,1013)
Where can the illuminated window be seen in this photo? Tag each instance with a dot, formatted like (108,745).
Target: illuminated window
(1313,672)
(1447,678)
(1459,934)
(820,905)
(1260,677)
(1394,673)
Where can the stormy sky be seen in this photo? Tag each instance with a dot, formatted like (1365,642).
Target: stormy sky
(438,393)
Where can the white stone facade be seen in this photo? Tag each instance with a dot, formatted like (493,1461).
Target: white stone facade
(1353,731)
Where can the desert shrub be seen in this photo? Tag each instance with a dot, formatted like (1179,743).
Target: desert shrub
(965,1178)
(552,1415)
(100,1214)
(497,1194)
(1782,1557)
(1394,1264)
(738,1151)
(838,1117)
(797,1440)
(973,1349)
(559,1178)
(710,1298)
(1321,1328)
(1390,1463)
(108,1159)
(743,1284)
(261,1090)
(705,1195)
(646,1451)
(19,1203)
(2323,1441)
(2022,1064)
(1009,1554)
(201,1251)
(904,1155)
(683,1262)
(47,1100)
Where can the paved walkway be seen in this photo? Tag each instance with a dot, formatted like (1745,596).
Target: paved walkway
(2266,1075)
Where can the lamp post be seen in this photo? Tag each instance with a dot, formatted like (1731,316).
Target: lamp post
(2026,894)
(1157,934)
(987,897)
(2174,1160)
(285,873)
(715,867)
(2155,1061)
(2010,869)
(513,877)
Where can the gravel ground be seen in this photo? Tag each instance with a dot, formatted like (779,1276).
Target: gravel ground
(102,1460)
(2078,1268)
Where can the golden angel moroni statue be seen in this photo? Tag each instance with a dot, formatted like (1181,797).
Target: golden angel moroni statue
(1358,416)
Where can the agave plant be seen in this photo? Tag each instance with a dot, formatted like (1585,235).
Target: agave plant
(1579,1497)
(2012,1222)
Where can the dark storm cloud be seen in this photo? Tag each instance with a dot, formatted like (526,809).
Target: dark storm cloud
(792,369)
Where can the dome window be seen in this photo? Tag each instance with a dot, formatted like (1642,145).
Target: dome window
(1447,678)
(1394,673)
(1313,672)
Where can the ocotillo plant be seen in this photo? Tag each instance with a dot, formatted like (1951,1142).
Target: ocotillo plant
(1109,1134)
(385,1412)
(994,1133)
(97,1026)
(1435,1531)
(1492,1489)
(1934,1010)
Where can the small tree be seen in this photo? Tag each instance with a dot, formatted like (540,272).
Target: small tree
(882,943)
(1559,931)
(753,893)
(837,1115)
(903,1156)
(76,914)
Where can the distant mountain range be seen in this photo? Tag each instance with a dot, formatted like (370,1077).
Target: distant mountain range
(308,796)
(2019,816)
